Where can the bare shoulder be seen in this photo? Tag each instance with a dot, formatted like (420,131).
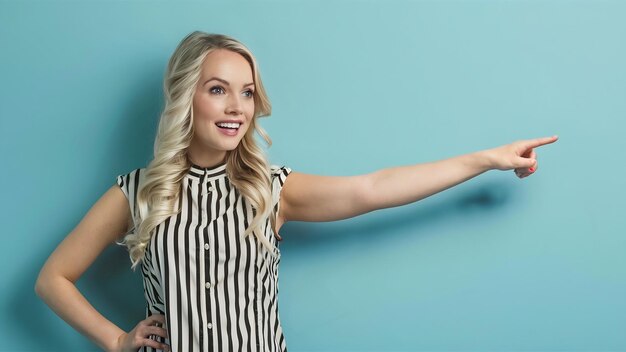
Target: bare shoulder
(109,218)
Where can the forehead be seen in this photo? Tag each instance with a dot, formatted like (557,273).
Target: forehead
(227,65)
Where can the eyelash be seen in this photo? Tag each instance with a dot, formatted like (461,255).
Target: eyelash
(249,91)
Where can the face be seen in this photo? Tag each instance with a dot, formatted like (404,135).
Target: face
(223,106)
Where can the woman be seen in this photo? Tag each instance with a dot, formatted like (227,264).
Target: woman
(203,218)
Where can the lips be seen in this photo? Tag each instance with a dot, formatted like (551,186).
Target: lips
(229,125)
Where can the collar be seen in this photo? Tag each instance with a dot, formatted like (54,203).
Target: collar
(197,172)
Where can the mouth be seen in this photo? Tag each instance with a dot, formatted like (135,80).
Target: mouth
(230,126)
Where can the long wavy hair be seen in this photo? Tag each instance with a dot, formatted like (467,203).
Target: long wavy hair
(246,166)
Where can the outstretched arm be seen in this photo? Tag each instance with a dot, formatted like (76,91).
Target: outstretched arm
(307,197)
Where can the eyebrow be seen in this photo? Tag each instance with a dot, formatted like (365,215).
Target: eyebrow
(224,81)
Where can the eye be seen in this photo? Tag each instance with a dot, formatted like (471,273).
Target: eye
(216,90)
(249,93)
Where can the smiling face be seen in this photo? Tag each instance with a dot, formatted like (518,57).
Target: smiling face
(223,106)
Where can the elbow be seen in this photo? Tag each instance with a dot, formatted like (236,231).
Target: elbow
(41,285)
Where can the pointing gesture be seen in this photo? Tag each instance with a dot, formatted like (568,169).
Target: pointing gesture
(519,155)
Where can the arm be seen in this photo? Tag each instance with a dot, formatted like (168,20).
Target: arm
(307,197)
(402,185)
(327,198)
(105,222)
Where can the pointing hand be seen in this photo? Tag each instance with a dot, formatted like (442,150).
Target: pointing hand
(519,155)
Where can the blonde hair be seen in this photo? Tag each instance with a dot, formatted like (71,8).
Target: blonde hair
(246,166)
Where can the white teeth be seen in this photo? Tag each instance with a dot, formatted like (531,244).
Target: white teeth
(229,124)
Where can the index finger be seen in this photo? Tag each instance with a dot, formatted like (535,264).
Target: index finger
(541,141)
(155,318)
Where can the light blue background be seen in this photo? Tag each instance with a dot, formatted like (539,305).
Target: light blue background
(496,263)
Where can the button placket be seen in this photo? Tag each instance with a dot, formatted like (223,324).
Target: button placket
(207,187)
(205,184)
(206,181)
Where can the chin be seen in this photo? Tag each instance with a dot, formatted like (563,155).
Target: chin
(231,147)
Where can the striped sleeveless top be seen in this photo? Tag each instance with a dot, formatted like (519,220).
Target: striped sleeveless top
(217,290)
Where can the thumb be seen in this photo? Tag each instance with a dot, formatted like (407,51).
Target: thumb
(526,162)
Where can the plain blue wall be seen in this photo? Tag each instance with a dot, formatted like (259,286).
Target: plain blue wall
(496,263)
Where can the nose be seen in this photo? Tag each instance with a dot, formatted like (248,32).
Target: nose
(234,106)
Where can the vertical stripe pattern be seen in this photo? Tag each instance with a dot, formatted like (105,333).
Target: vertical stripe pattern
(217,290)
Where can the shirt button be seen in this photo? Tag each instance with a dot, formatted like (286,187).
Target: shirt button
(206,246)
(207,285)
(211,189)
(209,325)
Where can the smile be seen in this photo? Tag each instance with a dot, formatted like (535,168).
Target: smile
(229,125)
(228,128)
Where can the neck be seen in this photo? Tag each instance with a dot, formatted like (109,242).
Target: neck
(207,160)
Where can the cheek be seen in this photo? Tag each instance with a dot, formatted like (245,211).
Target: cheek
(249,110)
(210,110)
(203,119)
(207,108)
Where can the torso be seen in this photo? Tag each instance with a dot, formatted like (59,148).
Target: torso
(217,289)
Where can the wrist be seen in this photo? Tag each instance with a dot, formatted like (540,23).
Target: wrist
(484,160)
(116,344)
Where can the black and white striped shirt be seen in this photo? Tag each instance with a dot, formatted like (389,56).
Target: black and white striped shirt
(217,290)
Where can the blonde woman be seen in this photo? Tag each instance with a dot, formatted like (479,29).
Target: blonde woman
(202,220)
